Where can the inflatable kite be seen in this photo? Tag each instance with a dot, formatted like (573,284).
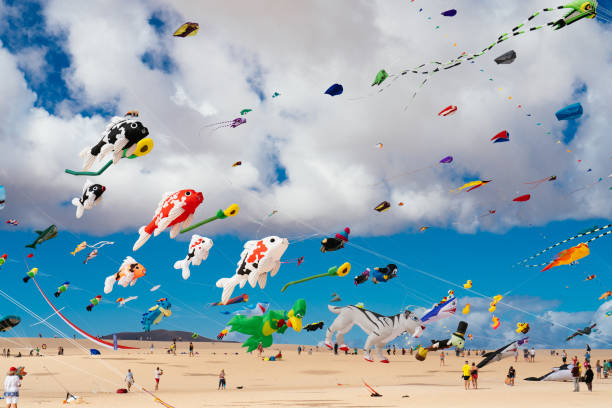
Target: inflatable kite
(344,269)
(275,95)
(49,233)
(337,242)
(573,111)
(334,90)
(582,332)
(3,259)
(61,289)
(93,302)
(123,137)
(129,272)
(174,210)
(335,298)
(496,322)
(155,314)
(91,256)
(220,215)
(198,252)
(384,206)
(449,13)
(91,196)
(605,295)
(362,277)
(188,29)
(261,328)
(236,164)
(471,185)
(522,328)
(468,284)
(245,111)
(457,339)
(384,274)
(449,110)
(123,301)
(234,123)
(8,322)
(503,136)
(31,273)
(506,58)
(579,235)
(590,277)
(522,198)
(79,248)
(380,77)
(238,299)
(380,329)
(12,222)
(537,183)
(502,352)
(579,9)
(466,309)
(562,373)
(569,256)
(314,326)
(447,307)
(256,260)
(447,160)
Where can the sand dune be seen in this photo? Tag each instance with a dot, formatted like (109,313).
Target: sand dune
(318,380)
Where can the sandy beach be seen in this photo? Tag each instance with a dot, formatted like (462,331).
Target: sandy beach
(321,379)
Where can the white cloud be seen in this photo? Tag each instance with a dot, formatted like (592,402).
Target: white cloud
(325,144)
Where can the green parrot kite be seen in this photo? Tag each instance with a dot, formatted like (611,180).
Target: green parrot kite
(261,328)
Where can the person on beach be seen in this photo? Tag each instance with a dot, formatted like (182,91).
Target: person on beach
(605,369)
(441,358)
(299,350)
(152,348)
(564,357)
(598,369)
(158,373)
(588,378)
(532,355)
(221,380)
(515,355)
(474,375)
(511,375)
(12,382)
(466,373)
(190,349)
(129,379)
(576,377)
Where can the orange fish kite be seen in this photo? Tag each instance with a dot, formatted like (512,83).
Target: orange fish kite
(569,255)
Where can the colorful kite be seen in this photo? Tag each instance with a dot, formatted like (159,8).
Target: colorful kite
(155,314)
(569,256)
(384,274)
(245,111)
(496,322)
(522,198)
(8,322)
(261,328)
(175,210)
(31,273)
(198,251)
(49,233)
(337,242)
(449,13)
(362,277)
(582,332)
(449,110)
(503,136)
(2,197)
(129,272)
(380,77)
(93,302)
(573,111)
(446,308)
(3,259)
(605,295)
(238,299)
(61,289)
(384,206)
(537,183)
(188,29)
(234,123)
(472,185)
(468,284)
(230,211)
(522,327)
(342,271)
(90,197)
(256,260)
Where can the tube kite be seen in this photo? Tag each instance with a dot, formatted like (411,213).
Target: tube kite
(449,110)
(573,111)
(220,215)
(522,198)
(384,206)
(503,136)
(343,270)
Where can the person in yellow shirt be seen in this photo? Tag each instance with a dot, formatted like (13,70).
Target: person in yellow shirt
(466,374)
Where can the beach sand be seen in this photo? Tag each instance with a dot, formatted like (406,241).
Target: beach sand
(318,380)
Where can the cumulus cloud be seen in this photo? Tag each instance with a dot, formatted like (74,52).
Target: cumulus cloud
(325,146)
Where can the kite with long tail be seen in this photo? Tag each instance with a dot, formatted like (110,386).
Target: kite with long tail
(82,332)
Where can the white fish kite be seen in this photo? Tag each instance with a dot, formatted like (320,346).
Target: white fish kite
(91,196)
(256,260)
(198,252)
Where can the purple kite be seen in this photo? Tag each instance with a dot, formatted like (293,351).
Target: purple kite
(234,123)
(449,13)
(447,159)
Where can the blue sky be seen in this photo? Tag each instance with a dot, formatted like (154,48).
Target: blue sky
(310,158)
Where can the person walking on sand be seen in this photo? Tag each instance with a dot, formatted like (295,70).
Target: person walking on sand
(598,369)
(532,355)
(576,377)
(190,349)
(515,355)
(511,375)
(441,358)
(588,378)
(152,348)
(474,375)
(221,380)
(158,373)
(466,373)
(564,357)
(129,379)
(12,382)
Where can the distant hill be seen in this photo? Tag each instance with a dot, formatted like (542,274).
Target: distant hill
(159,335)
